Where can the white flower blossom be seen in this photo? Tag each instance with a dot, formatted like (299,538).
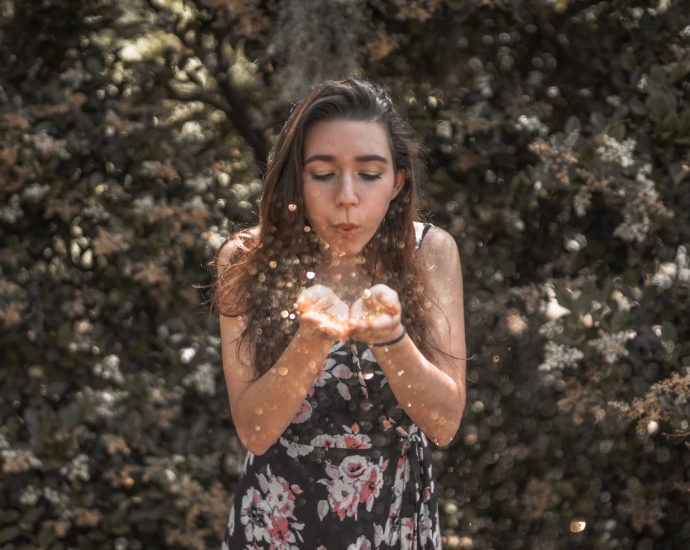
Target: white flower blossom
(675,272)
(531,124)
(612,346)
(29,496)
(77,468)
(47,146)
(203,379)
(617,152)
(109,369)
(105,402)
(559,356)
(13,211)
(683,264)
(638,197)
(199,183)
(52,496)
(35,192)
(551,329)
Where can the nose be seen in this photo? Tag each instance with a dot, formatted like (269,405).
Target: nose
(347,194)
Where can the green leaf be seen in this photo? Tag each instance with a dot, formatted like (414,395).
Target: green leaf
(679,171)
(657,73)
(679,71)
(9,533)
(573,123)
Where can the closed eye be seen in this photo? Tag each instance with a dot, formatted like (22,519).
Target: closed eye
(322,177)
(371,176)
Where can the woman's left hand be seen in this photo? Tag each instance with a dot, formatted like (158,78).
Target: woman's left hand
(375,317)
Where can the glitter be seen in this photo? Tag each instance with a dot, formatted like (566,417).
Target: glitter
(310,275)
(284,314)
(292,207)
(282,371)
(272,264)
(307,229)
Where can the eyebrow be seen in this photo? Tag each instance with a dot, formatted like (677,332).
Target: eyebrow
(362,158)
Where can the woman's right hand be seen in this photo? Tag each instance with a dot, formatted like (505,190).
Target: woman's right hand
(322,312)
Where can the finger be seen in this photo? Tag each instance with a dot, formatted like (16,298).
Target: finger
(318,303)
(381,298)
(308,297)
(386,304)
(324,323)
(357,309)
(384,294)
(383,323)
(334,328)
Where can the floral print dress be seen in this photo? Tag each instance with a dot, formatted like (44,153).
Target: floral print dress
(352,471)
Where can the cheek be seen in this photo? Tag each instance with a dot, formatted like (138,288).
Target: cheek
(312,205)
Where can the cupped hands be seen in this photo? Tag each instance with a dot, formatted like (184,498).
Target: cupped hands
(375,316)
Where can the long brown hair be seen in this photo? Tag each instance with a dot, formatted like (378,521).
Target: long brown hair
(264,278)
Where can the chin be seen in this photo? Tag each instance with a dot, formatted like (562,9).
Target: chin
(349,252)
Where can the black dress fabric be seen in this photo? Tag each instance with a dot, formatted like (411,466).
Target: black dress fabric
(352,471)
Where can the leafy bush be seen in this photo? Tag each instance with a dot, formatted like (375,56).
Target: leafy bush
(132,140)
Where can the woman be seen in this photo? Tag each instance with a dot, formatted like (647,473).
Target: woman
(342,332)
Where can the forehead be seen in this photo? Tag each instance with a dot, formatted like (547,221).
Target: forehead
(342,138)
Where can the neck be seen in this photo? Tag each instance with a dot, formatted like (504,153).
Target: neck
(345,274)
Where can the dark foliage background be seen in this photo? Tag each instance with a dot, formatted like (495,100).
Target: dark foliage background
(132,137)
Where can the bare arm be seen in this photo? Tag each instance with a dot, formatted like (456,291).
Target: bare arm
(431,392)
(263,409)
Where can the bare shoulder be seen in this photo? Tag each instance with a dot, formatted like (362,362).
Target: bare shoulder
(439,249)
(241,241)
(440,261)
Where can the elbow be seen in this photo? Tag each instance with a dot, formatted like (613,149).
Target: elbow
(252,445)
(251,441)
(445,439)
(452,427)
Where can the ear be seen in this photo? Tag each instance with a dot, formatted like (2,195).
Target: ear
(399,182)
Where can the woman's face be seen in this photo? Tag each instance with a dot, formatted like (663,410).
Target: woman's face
(348,182)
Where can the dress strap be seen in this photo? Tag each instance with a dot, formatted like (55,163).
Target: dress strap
(420,234)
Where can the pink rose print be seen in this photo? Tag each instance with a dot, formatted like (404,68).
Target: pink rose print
(371,486)
(353,468)
(354,481)
(325,441)
(407,534)
(304,413)
(255,516)
(352,439)
(343,499)
(280,535)
(266,514)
